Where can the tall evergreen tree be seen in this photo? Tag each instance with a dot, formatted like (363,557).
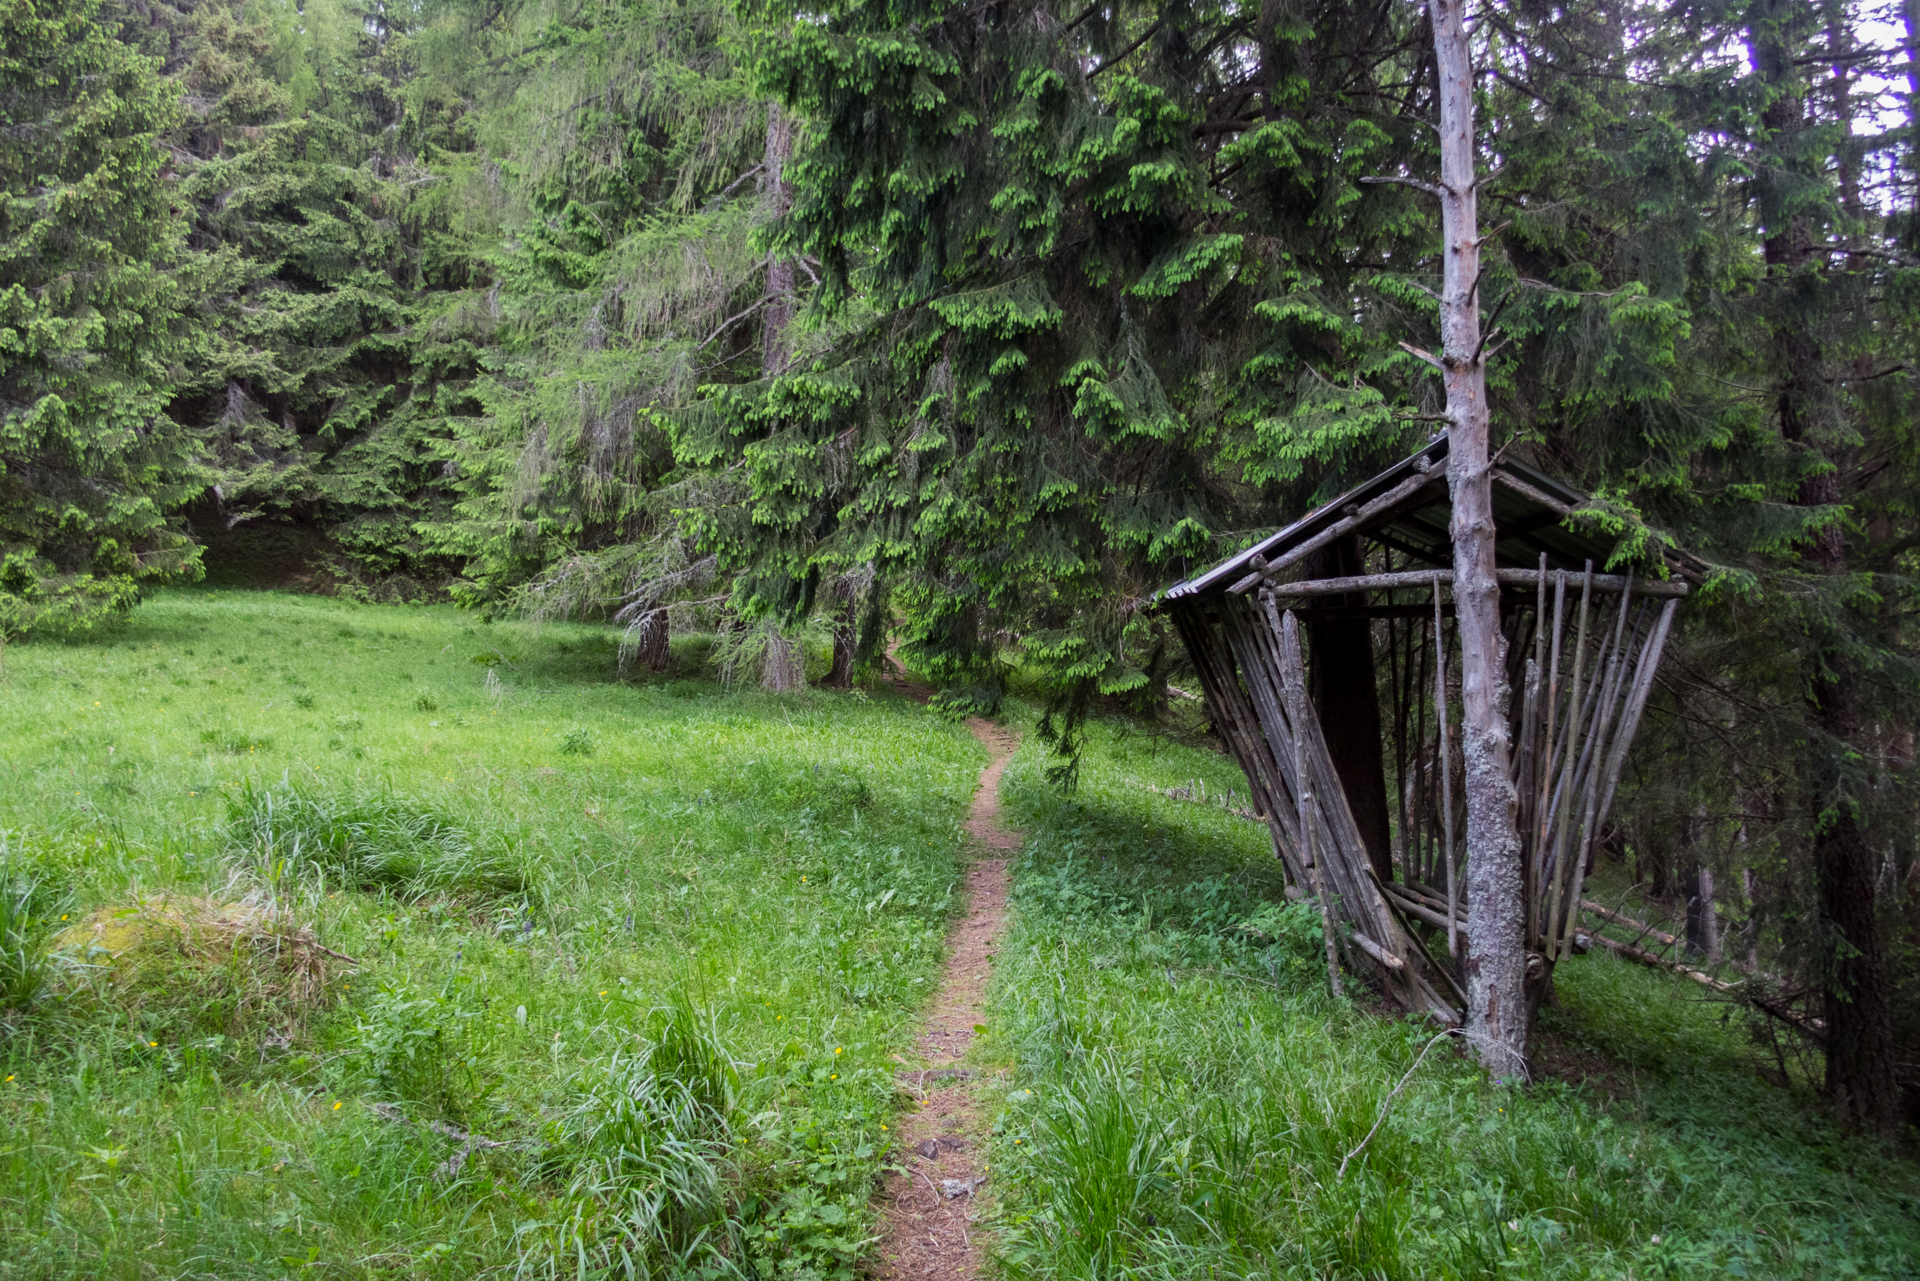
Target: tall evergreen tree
(1096,276)
(629,278)
(91,468)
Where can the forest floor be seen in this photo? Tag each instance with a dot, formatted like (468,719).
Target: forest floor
(392,943)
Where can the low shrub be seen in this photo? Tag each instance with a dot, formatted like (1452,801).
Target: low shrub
(414,1049)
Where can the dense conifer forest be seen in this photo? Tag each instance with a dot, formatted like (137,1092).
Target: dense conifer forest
(791,346)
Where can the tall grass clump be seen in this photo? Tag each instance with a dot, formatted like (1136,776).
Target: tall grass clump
(363,839)
(652,1151)
(30,905)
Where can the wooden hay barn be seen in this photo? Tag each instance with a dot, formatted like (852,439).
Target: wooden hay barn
(1329,664)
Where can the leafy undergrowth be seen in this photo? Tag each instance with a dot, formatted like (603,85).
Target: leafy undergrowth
(628,963)
(1186,1093)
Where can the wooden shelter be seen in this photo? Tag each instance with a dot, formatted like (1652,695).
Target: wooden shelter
(1328,661)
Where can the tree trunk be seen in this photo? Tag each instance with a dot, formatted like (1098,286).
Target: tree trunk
(783,669)
(1910,18)
(1860,1078)
(845,640)
(1496,962)
(1703,919)
(1651,860)
(779,311)
(655,632)
(1346,697)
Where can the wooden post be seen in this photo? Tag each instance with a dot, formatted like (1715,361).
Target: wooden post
(1550,743)
(1563,786)
(1297,714)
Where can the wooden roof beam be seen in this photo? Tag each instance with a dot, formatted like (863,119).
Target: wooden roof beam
(1381,509)
(1507,577)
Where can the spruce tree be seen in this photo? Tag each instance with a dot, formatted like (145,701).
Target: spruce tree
(627,279)
(1093,282)
(91,468)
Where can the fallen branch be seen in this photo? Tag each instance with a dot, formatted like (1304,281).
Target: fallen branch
(1187,794)
(1816,1029)
(1644,957)
(1627,922)
(451,1166)
(1388,1104)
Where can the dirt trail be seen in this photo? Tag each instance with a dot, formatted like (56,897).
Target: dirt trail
(926,1226)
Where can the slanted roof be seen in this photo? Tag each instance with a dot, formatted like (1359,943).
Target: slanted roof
(1407,507)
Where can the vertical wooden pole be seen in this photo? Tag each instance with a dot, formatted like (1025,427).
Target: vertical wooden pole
(1543,818)
(1563,787)
(1303,792)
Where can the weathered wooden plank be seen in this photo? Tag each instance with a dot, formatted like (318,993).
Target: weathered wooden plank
(1407,490)
(1297,710)
(1412,578)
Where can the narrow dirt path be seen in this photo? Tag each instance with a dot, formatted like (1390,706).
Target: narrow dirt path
(926,1213)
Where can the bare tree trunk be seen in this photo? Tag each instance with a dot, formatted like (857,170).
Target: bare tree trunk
(1496,962)
(845,639)
(655,632)
(1751,885)
(1703,918)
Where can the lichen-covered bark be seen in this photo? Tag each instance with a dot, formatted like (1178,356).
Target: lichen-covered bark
(1496,949)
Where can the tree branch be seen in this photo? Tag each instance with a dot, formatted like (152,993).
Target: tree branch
(1428,187)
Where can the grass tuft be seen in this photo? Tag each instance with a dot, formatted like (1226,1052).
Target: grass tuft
(187,967)
(30,905)
(363,840)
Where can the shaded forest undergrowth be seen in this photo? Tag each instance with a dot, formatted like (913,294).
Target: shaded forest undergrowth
(388,942)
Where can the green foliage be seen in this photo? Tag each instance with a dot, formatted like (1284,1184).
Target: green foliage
(30,901)
(91,303)
(627,256)
(413,1049)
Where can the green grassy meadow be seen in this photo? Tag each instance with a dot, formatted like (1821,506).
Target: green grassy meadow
(544,875)
(631,964)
